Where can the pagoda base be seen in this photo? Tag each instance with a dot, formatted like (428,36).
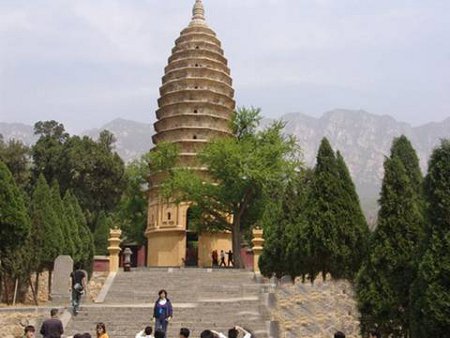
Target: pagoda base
(169,247)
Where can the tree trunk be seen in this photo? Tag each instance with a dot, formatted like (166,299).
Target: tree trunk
(6,291)
(36,285)
(33,291)
(49,283)
(236,238)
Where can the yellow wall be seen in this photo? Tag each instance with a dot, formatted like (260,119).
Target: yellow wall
(166,248)
(207,242)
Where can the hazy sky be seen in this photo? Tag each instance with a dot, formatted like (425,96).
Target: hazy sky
(85,63)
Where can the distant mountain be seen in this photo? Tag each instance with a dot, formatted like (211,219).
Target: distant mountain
(18,131)
(133,138)
(362,138)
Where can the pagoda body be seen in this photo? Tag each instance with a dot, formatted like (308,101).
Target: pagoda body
(195,105)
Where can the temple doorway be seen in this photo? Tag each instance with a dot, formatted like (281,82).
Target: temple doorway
(191,242)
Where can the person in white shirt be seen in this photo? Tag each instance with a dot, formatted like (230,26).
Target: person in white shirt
(146,333)
(234,333)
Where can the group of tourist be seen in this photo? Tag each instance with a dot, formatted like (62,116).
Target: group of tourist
(215,258)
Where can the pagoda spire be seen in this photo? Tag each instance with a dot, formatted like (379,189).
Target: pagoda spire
(198,14)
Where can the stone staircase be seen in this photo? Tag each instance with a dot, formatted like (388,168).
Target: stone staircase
(202,299)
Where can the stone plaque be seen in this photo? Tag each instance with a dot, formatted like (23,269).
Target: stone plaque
(61,279)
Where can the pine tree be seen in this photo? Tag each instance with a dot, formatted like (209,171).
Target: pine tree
(384,281)
(101,234)
(58,206)
(431,292)
(46,231)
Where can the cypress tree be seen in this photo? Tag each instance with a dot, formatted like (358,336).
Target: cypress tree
(272,258)
(87,249)
(15,228)
(14,221)
(403,149)
(431,291)
(46,230)
(72,226)
(336,229)
(384,281)
(58,206)
(352,228)
(321,214)
(101,234)
(297,256)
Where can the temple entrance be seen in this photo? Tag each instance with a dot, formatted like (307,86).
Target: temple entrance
(191,242)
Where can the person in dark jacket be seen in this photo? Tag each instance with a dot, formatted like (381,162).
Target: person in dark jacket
(162,312)
(52,328)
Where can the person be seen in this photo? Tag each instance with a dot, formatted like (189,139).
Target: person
(234,333)
(29,331)
(339,334)
(52,328)
(374,334)
(82,335)
(100,329)
(147,333)
(160,334)
(207,334)
(184,332)
(162,312)
(230,258)
(77,287)
(222,258)
(215,258)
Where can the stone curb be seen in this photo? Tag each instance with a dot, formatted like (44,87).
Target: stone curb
(104,291)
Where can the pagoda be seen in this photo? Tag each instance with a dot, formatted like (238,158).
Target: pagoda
(195,105)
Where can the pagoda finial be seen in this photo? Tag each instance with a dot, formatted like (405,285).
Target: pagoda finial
(198,13)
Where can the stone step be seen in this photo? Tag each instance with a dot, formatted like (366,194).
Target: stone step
(202,299)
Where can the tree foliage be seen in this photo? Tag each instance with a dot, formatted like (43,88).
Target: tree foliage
(16,156)
(90,169)
(101,235)
(131,212)
(240,172)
